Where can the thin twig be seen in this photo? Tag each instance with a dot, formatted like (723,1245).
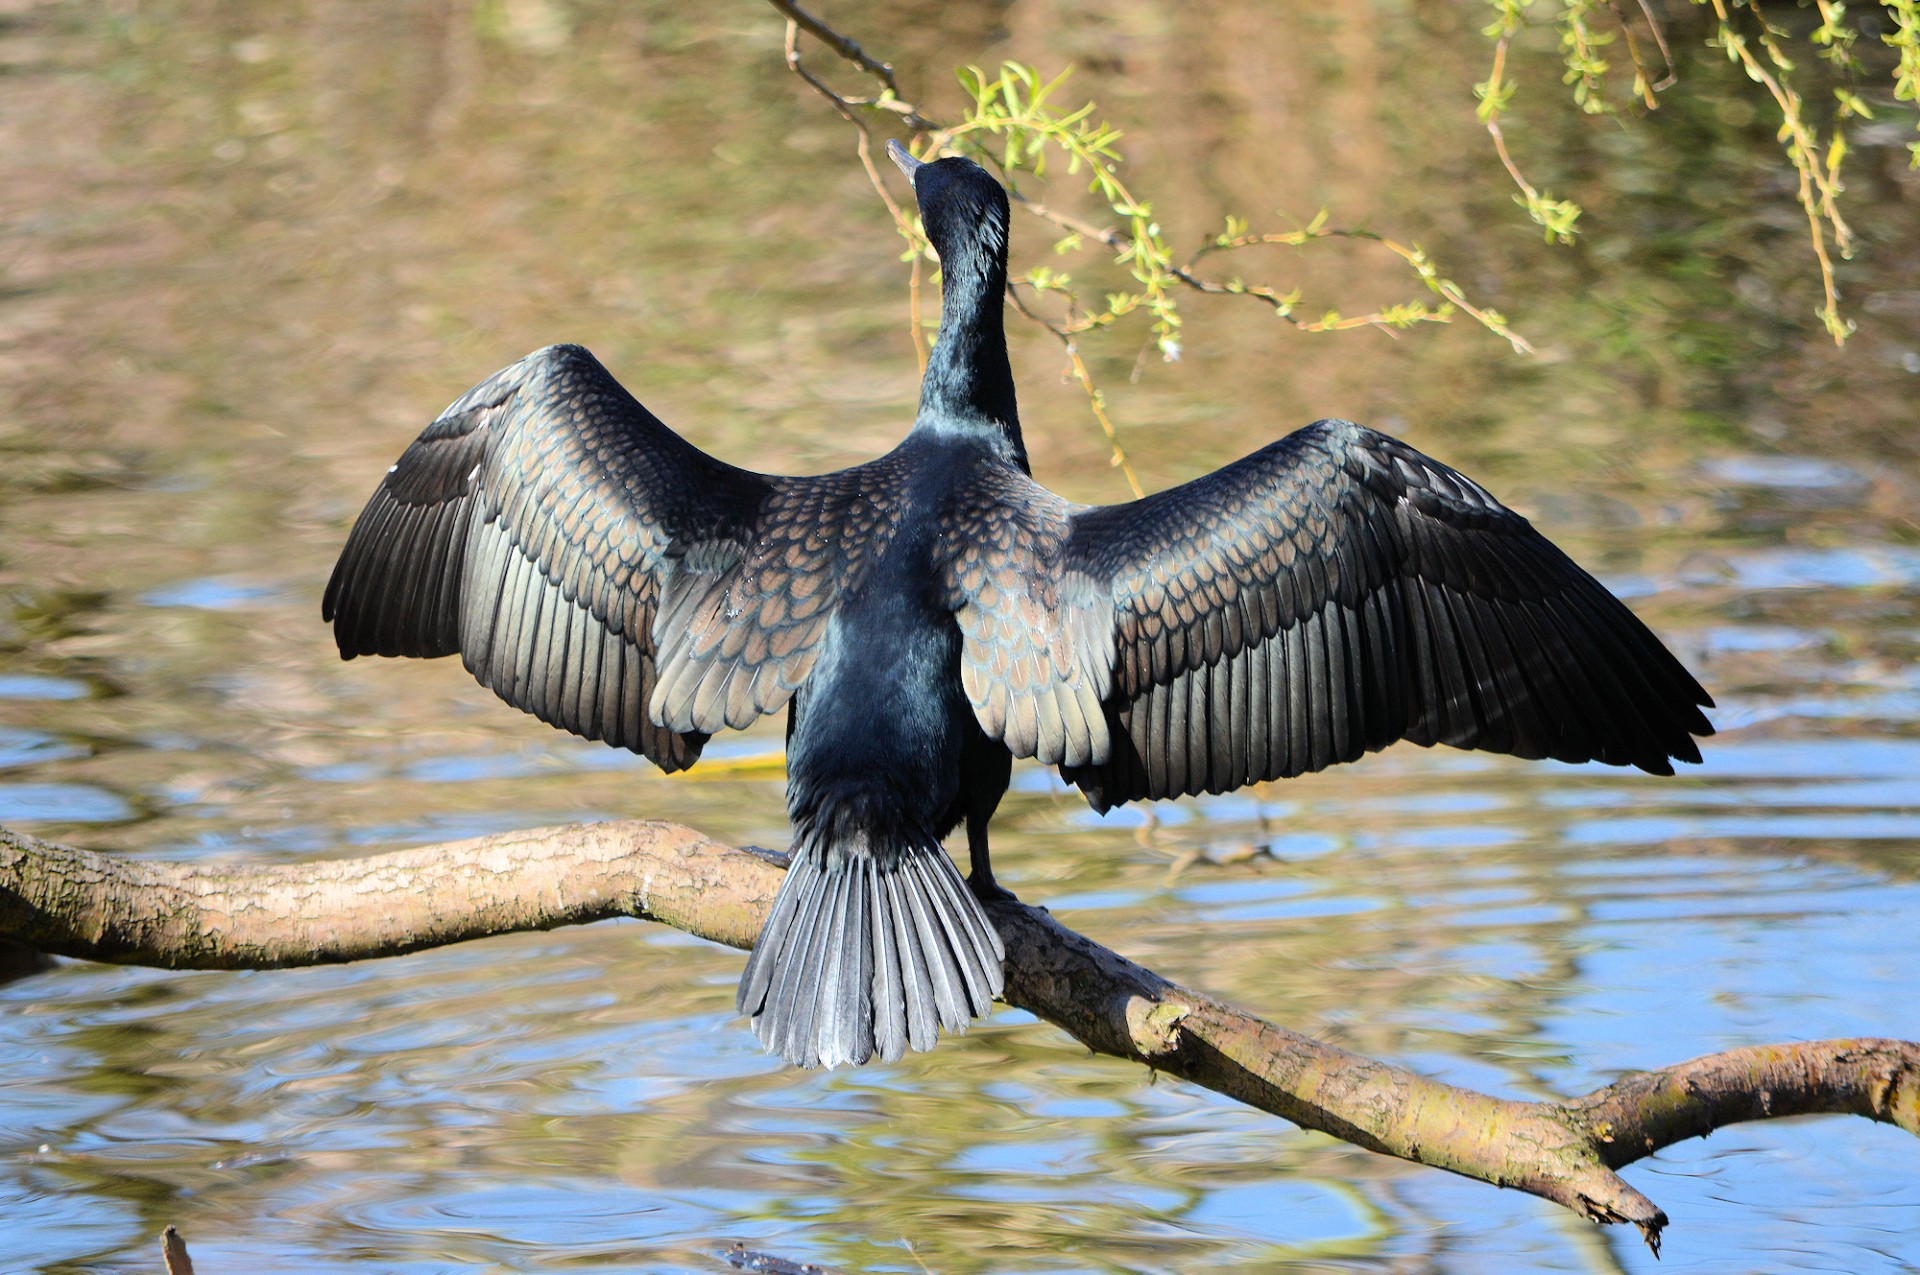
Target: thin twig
(1555,216)
(173,1251)
(850,49)
(1414,257)
(1095,400)
(1660,39)
(864,147)
(1282,304)
(1493,121)
(1818,190)
(1647,90)
(915,328)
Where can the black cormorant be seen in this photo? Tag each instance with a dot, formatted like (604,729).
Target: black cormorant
(929,616)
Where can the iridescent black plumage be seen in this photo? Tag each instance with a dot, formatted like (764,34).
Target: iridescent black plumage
(930,615)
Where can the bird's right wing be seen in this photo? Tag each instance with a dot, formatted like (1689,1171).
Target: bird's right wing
(1336,591)
(588,564)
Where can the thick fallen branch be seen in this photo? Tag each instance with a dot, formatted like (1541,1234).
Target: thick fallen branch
(79,903)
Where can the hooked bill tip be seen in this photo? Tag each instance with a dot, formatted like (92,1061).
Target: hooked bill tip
(903,158)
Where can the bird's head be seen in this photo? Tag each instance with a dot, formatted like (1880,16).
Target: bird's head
(963,208)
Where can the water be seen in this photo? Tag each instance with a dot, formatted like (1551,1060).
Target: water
(249,253)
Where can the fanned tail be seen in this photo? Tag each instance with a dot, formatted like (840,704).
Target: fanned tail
(869,951)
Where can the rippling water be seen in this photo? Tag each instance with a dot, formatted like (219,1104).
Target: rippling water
(248,253)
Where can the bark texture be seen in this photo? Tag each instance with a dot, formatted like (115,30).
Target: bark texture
(78,903)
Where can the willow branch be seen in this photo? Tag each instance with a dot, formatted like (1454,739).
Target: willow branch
(80,903)
(1819,186)
(1121,244)
(864,147)
(1648,88)
(1493,121)
(889,98)
(1096,401)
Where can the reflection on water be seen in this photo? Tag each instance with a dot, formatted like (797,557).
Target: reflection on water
(248,252)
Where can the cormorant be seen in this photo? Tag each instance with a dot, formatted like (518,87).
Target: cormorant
(929,616)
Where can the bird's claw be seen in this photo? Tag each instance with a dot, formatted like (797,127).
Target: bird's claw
(990,890)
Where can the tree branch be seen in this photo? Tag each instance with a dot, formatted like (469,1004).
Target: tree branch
(80,903)
(850,50)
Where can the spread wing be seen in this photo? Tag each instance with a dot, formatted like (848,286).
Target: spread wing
(1335,592)
(588,564)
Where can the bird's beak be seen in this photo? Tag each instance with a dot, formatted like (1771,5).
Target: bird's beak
(902,157)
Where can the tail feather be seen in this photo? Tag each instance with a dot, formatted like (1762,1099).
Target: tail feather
(869,954)
(967,929)
(890,1028)
(841,1007)
(936,966)
(916,988)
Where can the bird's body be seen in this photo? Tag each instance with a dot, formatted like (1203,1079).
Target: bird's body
(930,615)
(883,706)
(884,758)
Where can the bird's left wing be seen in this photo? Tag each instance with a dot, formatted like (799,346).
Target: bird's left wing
(589,565)
(1319,599)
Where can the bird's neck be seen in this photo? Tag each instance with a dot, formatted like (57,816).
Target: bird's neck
(968,390)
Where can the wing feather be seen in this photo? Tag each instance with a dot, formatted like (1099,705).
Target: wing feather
(545,524)
(1036,658)
(1337,591)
